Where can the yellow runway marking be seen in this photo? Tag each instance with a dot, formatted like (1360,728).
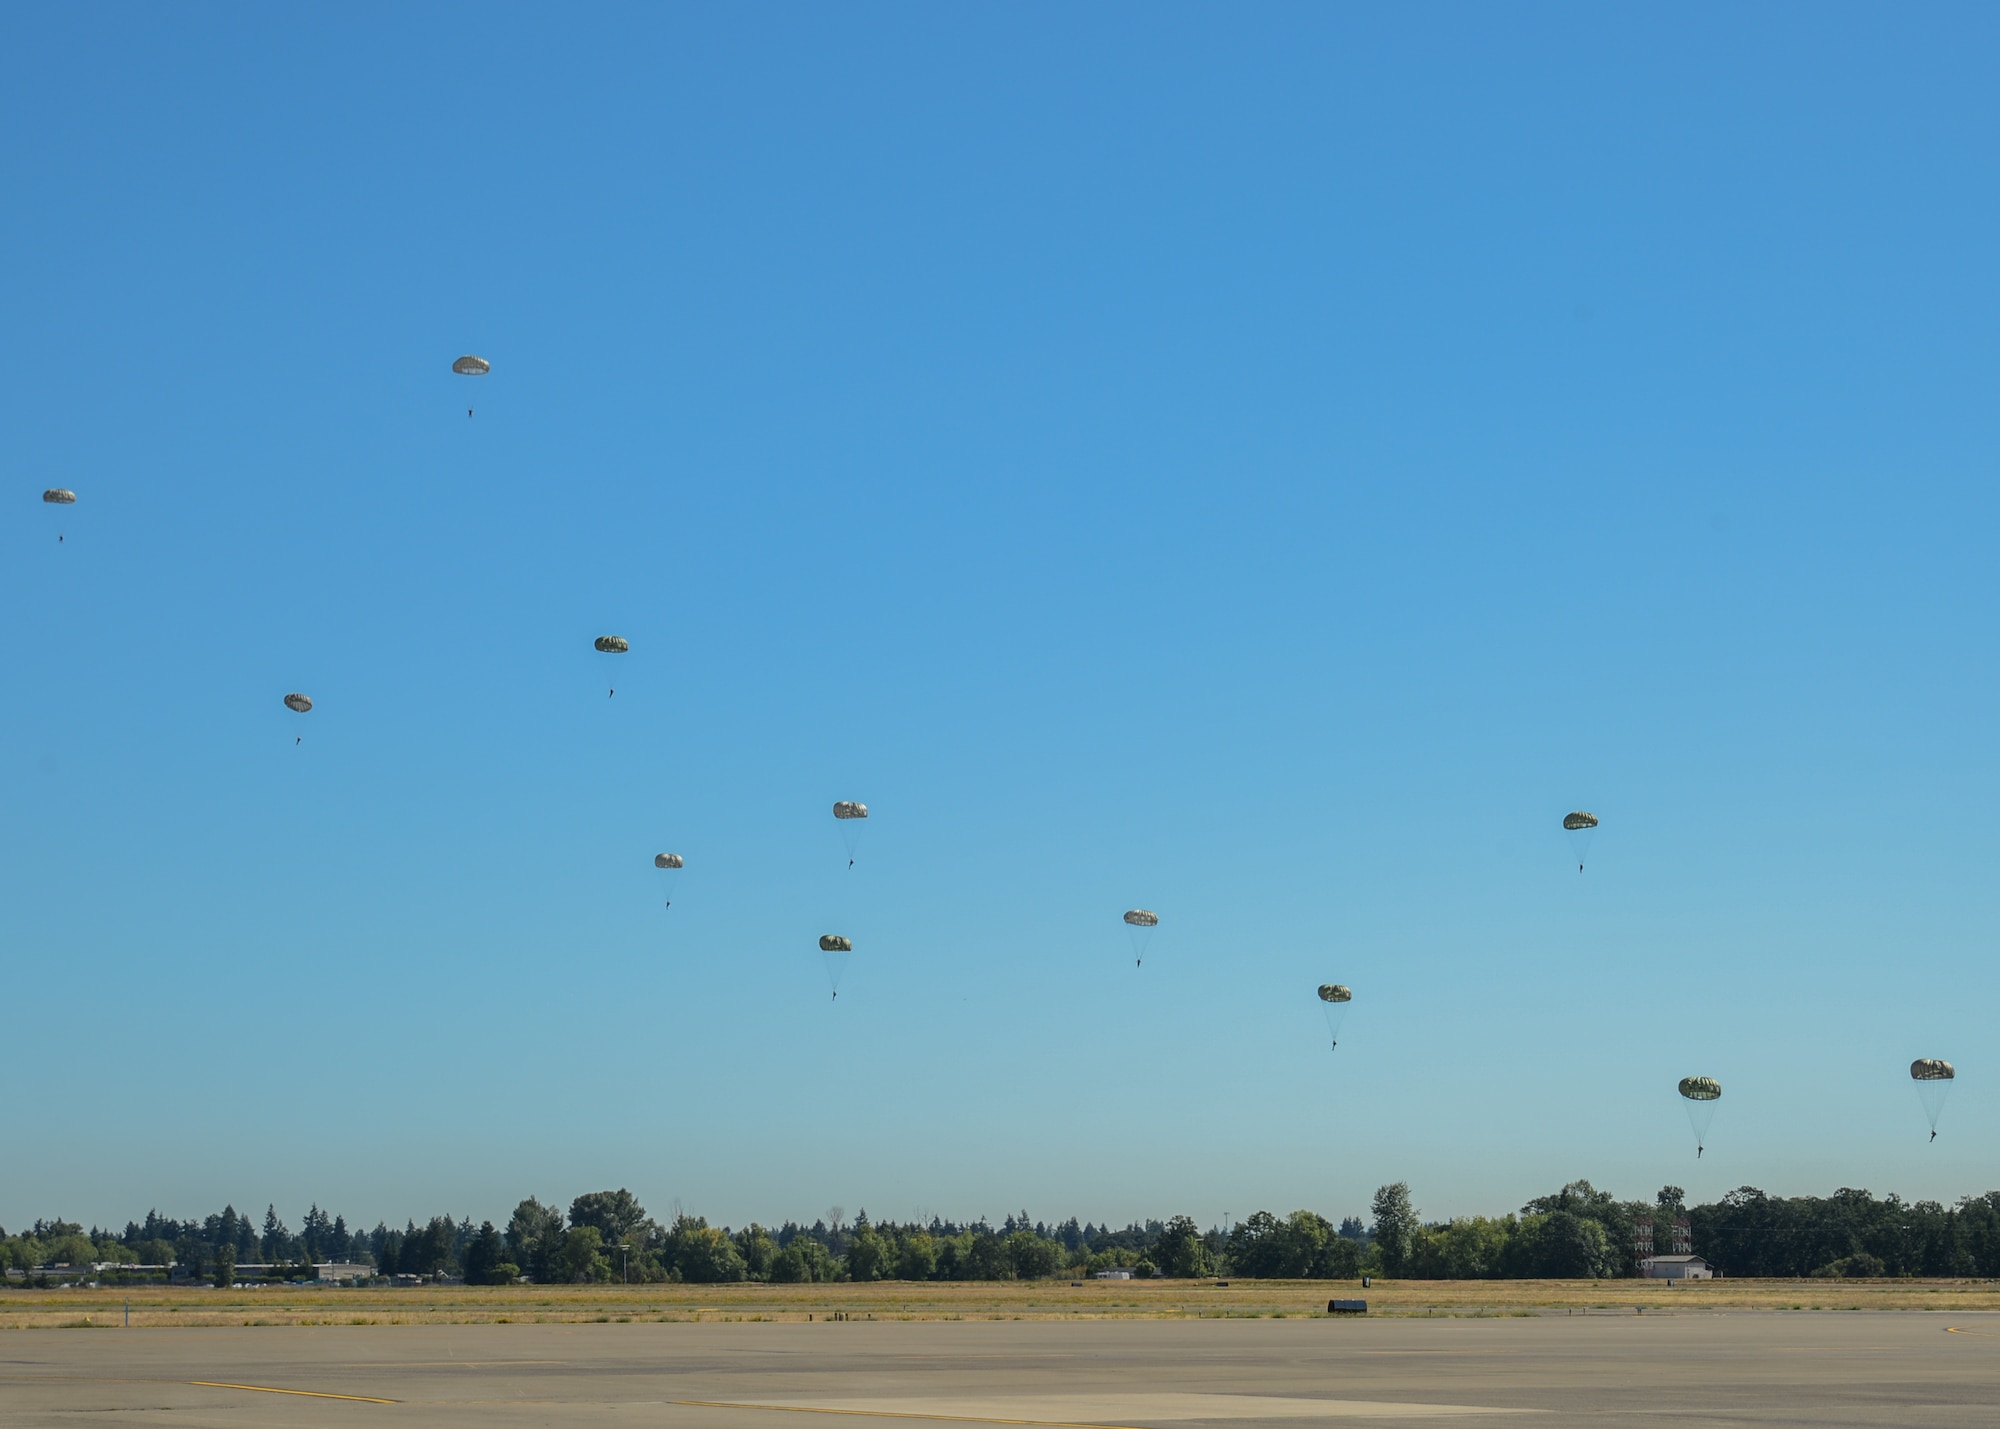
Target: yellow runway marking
(893,1414)
(305,1393)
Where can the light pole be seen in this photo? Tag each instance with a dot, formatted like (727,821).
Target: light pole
(625,1258)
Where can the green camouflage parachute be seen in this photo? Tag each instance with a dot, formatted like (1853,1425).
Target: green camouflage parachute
(1333,998)
(1702,1093)
(470,366)
(298,703)
(59,496)
(833,951)
(852,817)
(1139,925)
(613,644)
(1933,1077)
(668,860)
(1581,828)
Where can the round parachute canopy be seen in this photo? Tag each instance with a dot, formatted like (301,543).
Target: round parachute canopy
(668,860)
(299,703)
(1579,820)
(1931,1069)
(470,366)
(1140,918)
(613,644)
(1700,1089)
(848,809)
(59,496)
(1334,992)
(834,943)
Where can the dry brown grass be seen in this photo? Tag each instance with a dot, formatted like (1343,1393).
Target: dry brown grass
(895,1300)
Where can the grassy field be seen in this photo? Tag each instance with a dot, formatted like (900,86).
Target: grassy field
(1034,1300)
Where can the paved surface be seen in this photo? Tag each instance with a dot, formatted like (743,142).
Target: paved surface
(1827,1369)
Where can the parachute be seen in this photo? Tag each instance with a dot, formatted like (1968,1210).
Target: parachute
(470,366)
(612,645)
(853,819)
(1702,1093)
(833,950)
(1139,925)
(59,496)
(1333,1001)
(1933,1077)
(1580,826)
(668,860)
(299,704)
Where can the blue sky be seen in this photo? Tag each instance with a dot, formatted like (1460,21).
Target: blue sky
(1265,466)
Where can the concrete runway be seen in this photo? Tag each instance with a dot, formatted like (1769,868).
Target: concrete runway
(1816,1369)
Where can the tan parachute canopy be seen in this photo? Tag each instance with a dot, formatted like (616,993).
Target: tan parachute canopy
(613,644)
(1931,1069)
(470,366)
(1700,1089)
(1579,820)
(834,943)
(59,496)
(300,703)
(668,860)
(849,809)
(1141,918)
(1334,992)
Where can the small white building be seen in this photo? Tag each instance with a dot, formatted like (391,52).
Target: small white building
(343,1270)
(1676,1267)
(1111,1275)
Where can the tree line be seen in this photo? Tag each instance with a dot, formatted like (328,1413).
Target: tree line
(1576,1232)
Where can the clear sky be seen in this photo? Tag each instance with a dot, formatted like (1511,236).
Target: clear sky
(1265,464)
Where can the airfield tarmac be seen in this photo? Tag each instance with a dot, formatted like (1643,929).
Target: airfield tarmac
(1747,1368)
